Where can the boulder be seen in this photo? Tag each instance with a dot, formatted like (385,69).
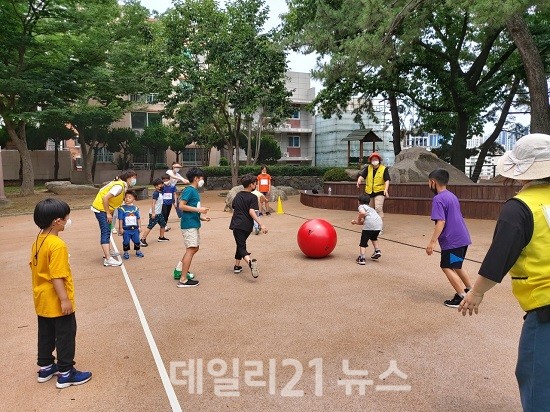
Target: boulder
(416,163)
(273,196)
(56,183)
(73,189)
(289,190)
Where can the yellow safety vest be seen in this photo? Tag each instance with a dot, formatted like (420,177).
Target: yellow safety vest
(531,272)
(376,184)
(114,201)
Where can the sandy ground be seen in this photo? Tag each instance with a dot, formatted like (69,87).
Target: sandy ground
(307,335)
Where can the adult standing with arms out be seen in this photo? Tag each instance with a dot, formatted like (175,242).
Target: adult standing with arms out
(175,177)
(521,246)
(377,182)
(106,201)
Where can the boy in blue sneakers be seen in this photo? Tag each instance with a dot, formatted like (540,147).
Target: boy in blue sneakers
(53,291)
(129,224)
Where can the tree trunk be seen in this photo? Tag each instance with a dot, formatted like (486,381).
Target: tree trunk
(153,166)
(249,143)
(86,159)
(94,162)
(56,161)
(20,141)
(258,141)
(458,155)
(396,125)
(498,128)
(534,69)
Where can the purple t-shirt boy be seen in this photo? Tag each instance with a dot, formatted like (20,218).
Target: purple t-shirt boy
(445,206)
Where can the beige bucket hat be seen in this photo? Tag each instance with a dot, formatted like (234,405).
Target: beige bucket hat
(529,160)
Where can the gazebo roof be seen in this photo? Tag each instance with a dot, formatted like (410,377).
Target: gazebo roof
(362,135)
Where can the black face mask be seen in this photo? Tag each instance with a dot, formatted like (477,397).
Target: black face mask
(433,189)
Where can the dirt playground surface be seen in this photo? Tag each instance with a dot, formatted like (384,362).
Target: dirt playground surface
(307,335)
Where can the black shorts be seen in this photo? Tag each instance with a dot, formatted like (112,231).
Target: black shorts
(367,235)
(453,258)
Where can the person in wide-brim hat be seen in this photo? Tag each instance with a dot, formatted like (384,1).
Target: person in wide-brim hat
(521,246)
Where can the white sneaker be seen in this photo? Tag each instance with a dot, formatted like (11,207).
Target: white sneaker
(114,254)
(111,262)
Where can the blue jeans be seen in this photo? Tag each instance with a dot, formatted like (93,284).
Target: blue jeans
(103,227)
(533,367)
(133,235)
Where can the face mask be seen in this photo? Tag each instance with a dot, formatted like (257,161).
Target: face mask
(375,163)
(68,224)
(166,184)
(433,189)
(201,183)
(132,182)
(176,169)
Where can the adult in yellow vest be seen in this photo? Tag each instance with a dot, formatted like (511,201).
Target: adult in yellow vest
(106,201)
(521,246)
(377,182)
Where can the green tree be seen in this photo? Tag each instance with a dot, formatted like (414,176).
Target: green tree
(223,64)
(270,151)
(122,140)
(53,53)
(155,139)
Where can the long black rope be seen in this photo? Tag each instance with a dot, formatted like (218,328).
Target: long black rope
(385,238)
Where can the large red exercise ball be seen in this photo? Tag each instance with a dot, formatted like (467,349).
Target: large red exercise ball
(316,238)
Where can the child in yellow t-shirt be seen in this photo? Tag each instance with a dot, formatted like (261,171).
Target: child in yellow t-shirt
(53,292)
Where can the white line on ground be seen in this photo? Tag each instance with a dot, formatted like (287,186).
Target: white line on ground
(176,407)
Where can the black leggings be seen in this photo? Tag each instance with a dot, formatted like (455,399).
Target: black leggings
(57,333)
(240,239)
(166,212)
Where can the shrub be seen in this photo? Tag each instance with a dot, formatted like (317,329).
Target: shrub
(337,174)
(224,161)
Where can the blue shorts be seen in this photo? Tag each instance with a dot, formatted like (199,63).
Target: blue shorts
(159,218)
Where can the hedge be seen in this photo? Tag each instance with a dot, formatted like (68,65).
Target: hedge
(221,171)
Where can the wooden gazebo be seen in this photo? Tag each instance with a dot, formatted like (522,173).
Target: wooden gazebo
(361,136)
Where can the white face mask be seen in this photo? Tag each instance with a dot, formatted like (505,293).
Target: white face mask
(176,169)
(68,224)
(375,163)
(201,183)
(132,182)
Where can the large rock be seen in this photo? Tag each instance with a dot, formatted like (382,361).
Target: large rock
(289,190)
(273,196)
(70,189)
(416,163)
(56,183)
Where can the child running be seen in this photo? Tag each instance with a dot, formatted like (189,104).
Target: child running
(451,232)
(168,197)
(244,207)
(190,224)
(155,214)
(372,225)
(53,290)
(129,225)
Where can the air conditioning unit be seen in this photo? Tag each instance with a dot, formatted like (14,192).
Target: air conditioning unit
(285,154)
(287,125)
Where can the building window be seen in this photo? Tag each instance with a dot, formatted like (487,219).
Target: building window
(294,141)
(104,156)
(150,98)
(140,120)
(194,156)
(295,113)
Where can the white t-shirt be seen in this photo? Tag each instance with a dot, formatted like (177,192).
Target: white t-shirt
(373,221)
(174,177)
(158,204)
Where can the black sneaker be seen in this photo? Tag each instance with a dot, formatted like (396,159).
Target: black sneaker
(163,239)
(237,269)
(254,268)
(376,255)
(360,260)
(143,242)
(188,283)
(454,302)
(466,290)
